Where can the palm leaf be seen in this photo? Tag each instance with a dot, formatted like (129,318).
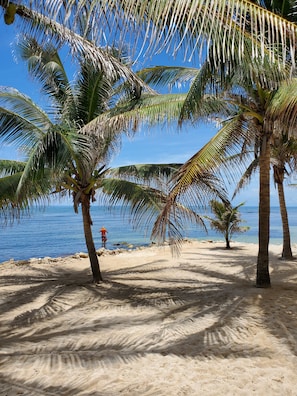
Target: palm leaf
(93,92)
(247,176)
(145,172)
(144,201)
(190,26)
(150,110)
(197,181)
(283,108)
(168,75)
(46,28)
(14,204)
(19,116)
(45,65)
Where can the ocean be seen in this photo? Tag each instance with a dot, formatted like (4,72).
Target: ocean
(57,231)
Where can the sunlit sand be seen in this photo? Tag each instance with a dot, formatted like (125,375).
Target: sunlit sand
(159,325)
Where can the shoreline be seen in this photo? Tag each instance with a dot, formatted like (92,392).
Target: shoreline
(119,250)
(57,232)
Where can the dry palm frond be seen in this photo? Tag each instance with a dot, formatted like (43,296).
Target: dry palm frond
(194,27)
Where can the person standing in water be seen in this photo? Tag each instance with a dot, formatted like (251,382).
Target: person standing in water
(103,231)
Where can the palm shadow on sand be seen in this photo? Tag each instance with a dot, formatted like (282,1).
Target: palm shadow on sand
(189,310)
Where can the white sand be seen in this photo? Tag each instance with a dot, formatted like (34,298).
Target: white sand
(158,325)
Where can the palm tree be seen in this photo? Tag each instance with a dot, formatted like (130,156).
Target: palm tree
(245,101)
(226,220)
(253,106)
(284,162)
(54,142)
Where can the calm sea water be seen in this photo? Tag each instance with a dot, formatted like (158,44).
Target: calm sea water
(57,231)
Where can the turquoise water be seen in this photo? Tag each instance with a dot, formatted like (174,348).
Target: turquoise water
(58,231)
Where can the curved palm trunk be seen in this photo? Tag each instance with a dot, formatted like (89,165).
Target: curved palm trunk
(287,251)
(263,277)
(85,204)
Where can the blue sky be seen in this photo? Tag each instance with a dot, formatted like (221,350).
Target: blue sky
(162,144)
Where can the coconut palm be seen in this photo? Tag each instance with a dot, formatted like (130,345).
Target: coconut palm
(79,111)
(226,220)
(246,101)
(284,157)
(253,105)
(283,162)
(53,142)
(55,156)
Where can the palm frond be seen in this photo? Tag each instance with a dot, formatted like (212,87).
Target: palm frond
(149,110)
(145,172)
(198,180)
(45,65)
(205,163)
(93,92)
(156,175)
(169,225)
(143,201)
(45,28)
(145,204)
(54,155)
(246,176)
(283,109)
(14,204)
(193,27)
(168,75)
(22,122)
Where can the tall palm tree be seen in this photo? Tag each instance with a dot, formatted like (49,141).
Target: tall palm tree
(253,106)
(245,100)
(53,140)
(284,162)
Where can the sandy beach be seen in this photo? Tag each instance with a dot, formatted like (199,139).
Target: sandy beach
(159,325)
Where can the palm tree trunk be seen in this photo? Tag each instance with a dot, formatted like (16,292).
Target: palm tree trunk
(227,240)
(287,251)
(263,277)
(85,204)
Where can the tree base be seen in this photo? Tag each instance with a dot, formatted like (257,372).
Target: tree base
(97,281)
(288,258)
(263,286)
